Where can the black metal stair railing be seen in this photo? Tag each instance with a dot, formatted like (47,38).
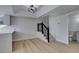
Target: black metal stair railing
(42,28)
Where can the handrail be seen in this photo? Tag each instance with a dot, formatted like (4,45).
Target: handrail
(45,26)
(45,30)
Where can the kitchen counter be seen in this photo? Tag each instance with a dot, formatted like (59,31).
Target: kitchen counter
(6,39)
(6,29)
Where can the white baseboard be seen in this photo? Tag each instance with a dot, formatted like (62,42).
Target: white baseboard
(29,38)
(66,43)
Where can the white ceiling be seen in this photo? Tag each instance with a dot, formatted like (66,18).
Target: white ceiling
(21,10)
(6,9)
(64,9)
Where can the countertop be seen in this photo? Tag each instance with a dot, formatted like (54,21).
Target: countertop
(6,29)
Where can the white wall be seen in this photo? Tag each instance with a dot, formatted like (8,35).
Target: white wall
(52,26)
(73,23)
(25,27)
(45,20)
(59,28)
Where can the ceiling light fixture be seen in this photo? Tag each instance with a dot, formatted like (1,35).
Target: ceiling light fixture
(32,8)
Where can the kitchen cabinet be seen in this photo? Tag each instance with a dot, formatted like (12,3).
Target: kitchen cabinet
(6,39)
(5,20)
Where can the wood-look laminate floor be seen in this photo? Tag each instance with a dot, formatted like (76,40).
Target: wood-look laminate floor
(39,46)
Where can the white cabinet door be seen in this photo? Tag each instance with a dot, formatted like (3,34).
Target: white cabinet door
(5,43)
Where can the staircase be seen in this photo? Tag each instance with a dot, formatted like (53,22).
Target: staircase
(44,30)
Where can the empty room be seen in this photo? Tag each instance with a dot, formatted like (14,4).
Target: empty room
(39,28)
